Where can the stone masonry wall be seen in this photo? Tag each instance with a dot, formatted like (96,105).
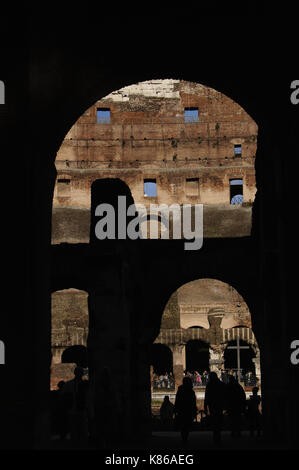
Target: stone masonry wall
(147,137)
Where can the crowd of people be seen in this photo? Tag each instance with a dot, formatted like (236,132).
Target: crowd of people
(198,379)
(167,381)
(220,398)
(75,406)
(248,378)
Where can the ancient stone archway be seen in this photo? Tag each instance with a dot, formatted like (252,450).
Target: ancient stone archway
(222,316)
(54,128)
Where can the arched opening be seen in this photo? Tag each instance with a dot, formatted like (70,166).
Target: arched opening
(152,227)
(111,199)
(76,355)
(161,359)
(208,323)
(162,367)
(197,356)
(232,364)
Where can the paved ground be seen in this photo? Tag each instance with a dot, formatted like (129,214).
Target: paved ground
(202,440)
(198,441)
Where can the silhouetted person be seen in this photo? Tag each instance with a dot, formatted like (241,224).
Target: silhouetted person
(166,411)
(185,407)
(214,404)
(77,389)
(254,415)
(224,376)
(54,411)
(61,411)
(205,377)
(236,405)
(108,412)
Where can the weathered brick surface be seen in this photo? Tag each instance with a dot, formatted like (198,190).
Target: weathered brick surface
(61,372)
(148,138)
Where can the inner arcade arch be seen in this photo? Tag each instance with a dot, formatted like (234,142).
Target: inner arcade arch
(161,359)
(197,356)
(60,69)
(222,317)
(246,357)
(250,288)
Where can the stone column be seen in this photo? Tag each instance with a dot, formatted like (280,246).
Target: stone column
(109,350)
(216,361)
(151,377)
(257,363)
(179,363)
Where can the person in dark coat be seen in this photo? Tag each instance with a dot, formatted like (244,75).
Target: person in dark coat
(76,390)
(214,404)
(61,411)
(254,414)
(236,405)
(166,411)
(185,408)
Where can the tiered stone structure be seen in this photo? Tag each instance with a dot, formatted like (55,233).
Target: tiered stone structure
(147,134)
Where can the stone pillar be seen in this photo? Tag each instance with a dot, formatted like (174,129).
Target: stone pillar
(179,363)
(109,350)
(57,354)
(257,363)
(151,377)
(216,361)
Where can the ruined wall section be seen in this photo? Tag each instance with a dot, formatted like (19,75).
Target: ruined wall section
(147,137)
(69,321)
(171,314)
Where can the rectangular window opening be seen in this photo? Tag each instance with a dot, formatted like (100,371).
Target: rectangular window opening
(236,190)
(64,181)
(150,187)
(192,186)
(103,115)
(191,114)
(63,187)
(238,150)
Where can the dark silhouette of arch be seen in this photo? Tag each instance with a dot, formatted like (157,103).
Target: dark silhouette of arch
(107,191)
(76,354)
(145,221)
(197,356)
(161,358)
